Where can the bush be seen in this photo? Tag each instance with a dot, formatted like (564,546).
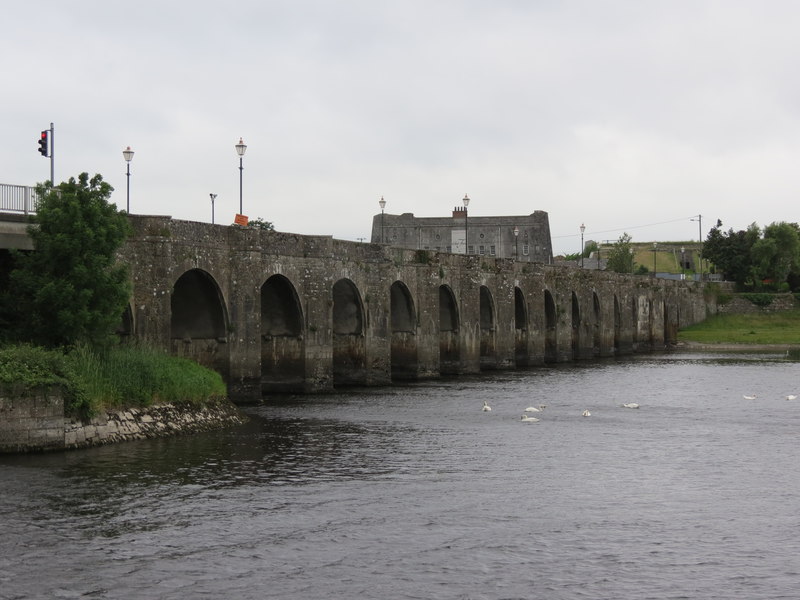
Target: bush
(120,377)
(759,299)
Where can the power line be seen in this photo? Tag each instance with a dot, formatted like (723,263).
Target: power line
(625,229)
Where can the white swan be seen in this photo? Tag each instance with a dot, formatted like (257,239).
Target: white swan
(533,409)
(586,413)
(791,397)
(486,406)
(631,405)
(527,419)
(749,397)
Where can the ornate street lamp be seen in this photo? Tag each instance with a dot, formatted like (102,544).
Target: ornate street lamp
(516,242)
(127,154)
(655,245)
(466,230)
(582,228)
(683,262)
(240,148)
(382,202)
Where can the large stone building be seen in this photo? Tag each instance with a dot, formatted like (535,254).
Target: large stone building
(526,238)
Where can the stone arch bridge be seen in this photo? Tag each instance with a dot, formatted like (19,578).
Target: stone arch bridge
(277,311)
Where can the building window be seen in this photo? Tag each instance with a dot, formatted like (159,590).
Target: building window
(481,250)
(526,249)
(450,249)
(471,250)
(492,250)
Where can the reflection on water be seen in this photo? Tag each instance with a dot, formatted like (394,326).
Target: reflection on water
(414,492)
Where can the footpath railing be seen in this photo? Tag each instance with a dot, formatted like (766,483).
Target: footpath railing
(18,198)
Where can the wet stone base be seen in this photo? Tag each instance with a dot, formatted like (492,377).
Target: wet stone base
(36,422)
(153,421)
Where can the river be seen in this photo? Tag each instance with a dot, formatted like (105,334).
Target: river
(414,492)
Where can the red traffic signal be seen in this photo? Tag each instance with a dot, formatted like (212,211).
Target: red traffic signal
(43,146)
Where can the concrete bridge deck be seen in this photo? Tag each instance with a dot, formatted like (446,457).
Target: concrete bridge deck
(277,311)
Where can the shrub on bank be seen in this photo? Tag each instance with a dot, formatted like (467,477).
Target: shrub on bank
(120,377)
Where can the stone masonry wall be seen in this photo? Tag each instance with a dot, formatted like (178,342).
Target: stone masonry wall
(36,422)
(739,305)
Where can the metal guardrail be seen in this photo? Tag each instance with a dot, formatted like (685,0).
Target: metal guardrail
(18,198)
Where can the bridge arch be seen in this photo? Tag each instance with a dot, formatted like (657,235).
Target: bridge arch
(349,342)
(282,336)
(550,328)
(488,350)
(404,353)
(199,320)
(635,322)
(125,329)
(597,326)
(449,345)
(521,328)
(576,327)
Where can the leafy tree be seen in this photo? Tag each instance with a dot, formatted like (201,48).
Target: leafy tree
(69,290)
(620,257)
(777,254)
(260,223)
(731,254)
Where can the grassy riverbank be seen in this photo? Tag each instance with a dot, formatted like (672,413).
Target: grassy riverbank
(122,377)
(764,328)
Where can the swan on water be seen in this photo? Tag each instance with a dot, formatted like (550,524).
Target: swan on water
(791,397)
(749,397)
(631,405)
(486,406)
(527,419)
(540,408)
(586,413)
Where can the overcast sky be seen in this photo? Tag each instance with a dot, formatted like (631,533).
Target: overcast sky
(628,116)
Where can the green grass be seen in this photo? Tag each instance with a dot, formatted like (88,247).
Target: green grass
(767,328)
(122,377)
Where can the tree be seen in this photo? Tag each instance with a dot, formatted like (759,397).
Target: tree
(731,252)
(776,255)
(69,290)
(620,257)
(260,223)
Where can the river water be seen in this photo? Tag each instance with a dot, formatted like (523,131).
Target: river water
(414,492)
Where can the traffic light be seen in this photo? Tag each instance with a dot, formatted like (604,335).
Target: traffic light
(43,143)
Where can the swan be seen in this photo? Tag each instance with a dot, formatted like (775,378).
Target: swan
(527,419)
(486,406)
(533,409)
(750,397)
(791,397)
(586,413)
(631,405)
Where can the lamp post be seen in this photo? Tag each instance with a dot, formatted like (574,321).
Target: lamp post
(699,219)
(683,262)
(633,262)
(466,230)
(127,154)
(213,197)
(655,244)
(582,228)
(382,202)
(516,242)
(240,148)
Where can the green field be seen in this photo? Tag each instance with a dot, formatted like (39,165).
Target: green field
(768,328)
